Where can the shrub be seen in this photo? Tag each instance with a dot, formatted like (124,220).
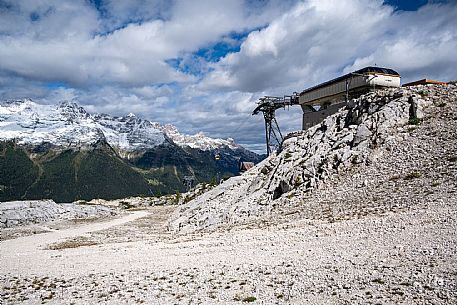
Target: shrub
(189,198)
(249,299)
(178,197)
(298,181)
(452,159)
(412,175)
(414,121)
(423,93)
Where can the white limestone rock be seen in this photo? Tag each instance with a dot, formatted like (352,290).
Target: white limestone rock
(309,158)
(16,213)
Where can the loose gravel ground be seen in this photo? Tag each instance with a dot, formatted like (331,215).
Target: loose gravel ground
(406,257)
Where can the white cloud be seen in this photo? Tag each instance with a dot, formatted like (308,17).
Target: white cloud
(317,40)
(116,59)
(423,46)
(306,44)
(47,20)
(70,41)
(117,13)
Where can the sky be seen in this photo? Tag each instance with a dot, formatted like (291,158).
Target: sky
(202,64)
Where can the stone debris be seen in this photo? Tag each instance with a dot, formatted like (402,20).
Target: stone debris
(19,213)
(400,258)
(343,143)
(142,202)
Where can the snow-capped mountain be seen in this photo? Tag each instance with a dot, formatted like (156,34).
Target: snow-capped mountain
(198,141)
(62,152)
(68,124)
(62,125)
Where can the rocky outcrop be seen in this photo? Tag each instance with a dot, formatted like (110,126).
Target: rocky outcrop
(353,137)
(16,213)
(144,202)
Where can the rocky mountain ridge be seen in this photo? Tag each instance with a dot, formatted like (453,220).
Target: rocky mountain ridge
(67,124)
(373,133)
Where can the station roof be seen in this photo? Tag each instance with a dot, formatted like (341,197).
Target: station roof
(360,71)
(424,82)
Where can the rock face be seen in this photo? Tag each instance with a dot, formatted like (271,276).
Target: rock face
(350,139)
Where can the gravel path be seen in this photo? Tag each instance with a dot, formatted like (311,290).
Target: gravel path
(29,252)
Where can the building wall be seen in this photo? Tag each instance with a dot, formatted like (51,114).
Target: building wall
(356,83)
(312,118)
(330,96)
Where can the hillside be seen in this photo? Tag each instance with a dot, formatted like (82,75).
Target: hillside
(62,152)
(67,175)
(386,151)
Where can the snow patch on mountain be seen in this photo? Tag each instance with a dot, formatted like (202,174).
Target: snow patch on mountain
(129,133)
(63,125)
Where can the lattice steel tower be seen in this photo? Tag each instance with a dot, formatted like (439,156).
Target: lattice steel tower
(268,106)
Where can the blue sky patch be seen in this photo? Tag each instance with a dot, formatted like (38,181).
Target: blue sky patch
(406,5)
(196,63)
(55,85)
(411,5)
(229,44)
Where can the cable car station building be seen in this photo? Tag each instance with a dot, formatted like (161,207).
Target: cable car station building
(323,100)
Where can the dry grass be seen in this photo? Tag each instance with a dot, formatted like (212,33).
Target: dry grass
(16,232)
(88,220)
(72,243)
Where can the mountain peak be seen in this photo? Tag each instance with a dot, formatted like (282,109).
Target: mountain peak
(67,103)
(112,152)
(72,111)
